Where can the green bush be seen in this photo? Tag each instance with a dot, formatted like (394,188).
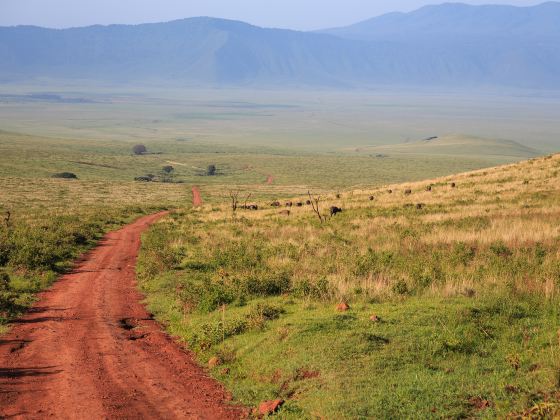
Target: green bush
(65,175)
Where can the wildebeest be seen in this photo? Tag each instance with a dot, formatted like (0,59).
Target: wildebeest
(390,191)
(429,188)
(299,204)
(335,210)
(308,202)
(285,212)
(371,198)
(289,204)
(419,206)
(453,185)
(252,207)
(338,196)
(275,204)
(407,192)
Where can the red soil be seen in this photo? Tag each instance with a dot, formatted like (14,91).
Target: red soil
(89,350)
(196,197)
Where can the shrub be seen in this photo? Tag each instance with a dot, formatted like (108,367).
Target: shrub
(139,149)
(268,285)
(65,175)
(261,313)
(400,288)
(8,297)
(168,169)
(500,249)
(211,170)
(320,289)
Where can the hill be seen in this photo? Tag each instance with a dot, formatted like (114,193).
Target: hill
(456,145)
(457,20)
(450,294)
(447,45)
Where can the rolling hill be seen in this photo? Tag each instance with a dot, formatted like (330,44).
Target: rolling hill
(457,145)
(446,45)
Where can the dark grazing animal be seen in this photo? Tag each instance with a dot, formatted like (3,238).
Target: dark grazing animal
(453,185)
(429,188)
(407,192)
(308,202)
(299,204)
(252,207)
(275,204)
(335,210)
(390,191)
(289,204)
(371,198)
(419,206)
(338,196)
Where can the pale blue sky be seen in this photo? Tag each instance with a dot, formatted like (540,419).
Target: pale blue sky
(293,14)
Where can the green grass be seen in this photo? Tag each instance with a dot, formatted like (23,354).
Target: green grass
(466,289)
(455,283)
(425,358)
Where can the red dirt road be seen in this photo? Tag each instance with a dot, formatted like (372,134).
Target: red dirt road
(196,197)
(89,350)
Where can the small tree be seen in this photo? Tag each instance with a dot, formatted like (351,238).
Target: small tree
(211,171)
(315,204)
(139,149)
(234,195)
(167,169)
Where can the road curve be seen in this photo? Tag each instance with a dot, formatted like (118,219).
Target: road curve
(89,350)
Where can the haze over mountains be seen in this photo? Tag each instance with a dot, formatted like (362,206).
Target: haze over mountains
(445,45)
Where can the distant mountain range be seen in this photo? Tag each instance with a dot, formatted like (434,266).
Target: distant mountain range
(445,45)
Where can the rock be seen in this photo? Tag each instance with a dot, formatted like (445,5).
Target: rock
(374,318)
(214,361)
(270,407)
(342,307)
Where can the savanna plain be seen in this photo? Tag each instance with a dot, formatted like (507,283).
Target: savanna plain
(432,294)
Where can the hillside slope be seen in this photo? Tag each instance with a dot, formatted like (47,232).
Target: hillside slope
(457,145)
(446,45)
(451,297)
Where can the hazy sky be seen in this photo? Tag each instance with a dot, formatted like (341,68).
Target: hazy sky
(294,14)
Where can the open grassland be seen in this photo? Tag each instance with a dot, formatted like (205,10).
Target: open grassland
(301,120)
(51,221)
(453,297)
(464,287)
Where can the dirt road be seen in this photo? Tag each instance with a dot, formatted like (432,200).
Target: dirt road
(89,350)
(197,197)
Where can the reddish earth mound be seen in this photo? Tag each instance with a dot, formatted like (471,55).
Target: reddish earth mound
(270,180)
(196,197)
(88,349)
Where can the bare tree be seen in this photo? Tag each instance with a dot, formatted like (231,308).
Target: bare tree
(315,204)
(246,200)
(234,196)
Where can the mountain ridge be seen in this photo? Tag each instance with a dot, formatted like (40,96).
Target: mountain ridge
(393,49)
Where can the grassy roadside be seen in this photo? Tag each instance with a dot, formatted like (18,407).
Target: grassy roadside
(35,250)
(464,289)
(424,358)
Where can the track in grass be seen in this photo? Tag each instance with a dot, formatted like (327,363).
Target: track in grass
(88,349)
(196,197)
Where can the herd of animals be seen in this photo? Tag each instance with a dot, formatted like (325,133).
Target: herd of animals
(334,210)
